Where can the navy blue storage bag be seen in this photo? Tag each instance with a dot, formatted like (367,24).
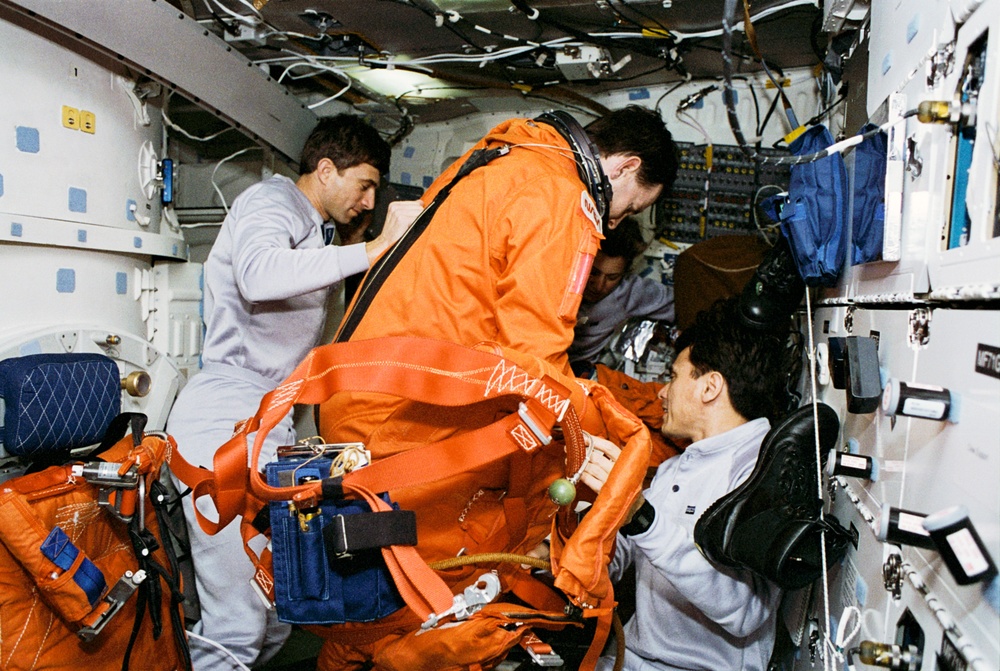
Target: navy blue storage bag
(814,218)
(54,403)
(311,585)
(869,197)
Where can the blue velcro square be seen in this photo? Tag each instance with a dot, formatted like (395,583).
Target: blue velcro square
(77,200)
(28,139)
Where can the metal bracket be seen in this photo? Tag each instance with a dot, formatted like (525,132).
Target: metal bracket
(483,591)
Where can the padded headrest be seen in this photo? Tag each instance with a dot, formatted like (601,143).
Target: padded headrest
(54,403)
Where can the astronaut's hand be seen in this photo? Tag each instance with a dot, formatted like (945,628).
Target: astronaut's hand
(602,460)
(398,219)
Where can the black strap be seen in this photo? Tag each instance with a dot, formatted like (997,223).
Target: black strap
(588,160)
(378,274)
(641,520)
(160,501)
(150,591)
(120,425)
(345,534)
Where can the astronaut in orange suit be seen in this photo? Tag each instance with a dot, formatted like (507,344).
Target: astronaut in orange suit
(506,256)
(504,259)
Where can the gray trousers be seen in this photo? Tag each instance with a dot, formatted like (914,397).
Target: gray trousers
(232,613)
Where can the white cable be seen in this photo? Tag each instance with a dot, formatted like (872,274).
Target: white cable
(819,481)
(693,123)
(680,37)
(336,95)
(221,647)
(589,440)
(239,17)
(906,436)
(170,124)
(216,169)
(843,638)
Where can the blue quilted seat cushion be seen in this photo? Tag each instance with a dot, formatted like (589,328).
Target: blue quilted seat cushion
(57,402)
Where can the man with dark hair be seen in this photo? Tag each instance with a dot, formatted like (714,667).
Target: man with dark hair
(727,380)
(613,295)
(267,280)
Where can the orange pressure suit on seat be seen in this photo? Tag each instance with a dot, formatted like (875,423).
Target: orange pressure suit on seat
(504,260)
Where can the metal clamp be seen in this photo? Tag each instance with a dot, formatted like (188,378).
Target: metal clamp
(541,653)
(115,599)
(339,524)
(116,491)
(483,591)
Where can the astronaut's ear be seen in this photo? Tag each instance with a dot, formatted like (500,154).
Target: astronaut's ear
(624,165)
(324,168)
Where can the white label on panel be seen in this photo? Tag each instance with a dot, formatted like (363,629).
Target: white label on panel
(911,524)
(850,461)
(968,553)
(918,407)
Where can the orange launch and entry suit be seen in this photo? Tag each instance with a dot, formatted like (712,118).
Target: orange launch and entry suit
(505,259)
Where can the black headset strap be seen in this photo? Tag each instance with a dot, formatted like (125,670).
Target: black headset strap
(588,159)
(377,275)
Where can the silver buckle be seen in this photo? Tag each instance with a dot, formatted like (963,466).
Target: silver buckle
(529,421)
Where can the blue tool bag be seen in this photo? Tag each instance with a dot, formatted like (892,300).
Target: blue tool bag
(869,197)
(57,402)
(814,218)
(324,571)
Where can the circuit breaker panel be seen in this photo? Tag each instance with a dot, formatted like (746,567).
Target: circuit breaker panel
(715,192)
(907,350)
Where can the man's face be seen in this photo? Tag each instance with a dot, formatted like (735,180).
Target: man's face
(606,274)
(347,193)
(630,197)
(681,399)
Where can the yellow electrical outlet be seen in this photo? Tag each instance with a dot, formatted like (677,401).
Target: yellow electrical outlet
(71,117)
(88,121)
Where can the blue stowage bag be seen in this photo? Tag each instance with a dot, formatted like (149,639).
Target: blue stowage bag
(814,218)
(311,586)
(54,403)
(869,197)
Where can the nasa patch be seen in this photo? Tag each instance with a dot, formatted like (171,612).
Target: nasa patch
(590,210)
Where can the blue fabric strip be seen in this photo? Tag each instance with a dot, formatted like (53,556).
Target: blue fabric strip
(58,549)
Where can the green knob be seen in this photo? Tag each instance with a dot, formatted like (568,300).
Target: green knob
(562,492)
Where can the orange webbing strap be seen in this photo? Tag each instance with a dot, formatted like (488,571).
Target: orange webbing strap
(604,616)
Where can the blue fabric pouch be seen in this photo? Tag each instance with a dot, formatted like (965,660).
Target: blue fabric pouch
(57,402)
(814,218)
(869,197)
(311,584)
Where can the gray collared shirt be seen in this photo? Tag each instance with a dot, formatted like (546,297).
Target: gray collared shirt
(691,614)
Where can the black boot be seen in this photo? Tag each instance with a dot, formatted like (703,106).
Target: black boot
(770,523)
(774,291)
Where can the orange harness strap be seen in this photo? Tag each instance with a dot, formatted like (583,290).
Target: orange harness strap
(417,369)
